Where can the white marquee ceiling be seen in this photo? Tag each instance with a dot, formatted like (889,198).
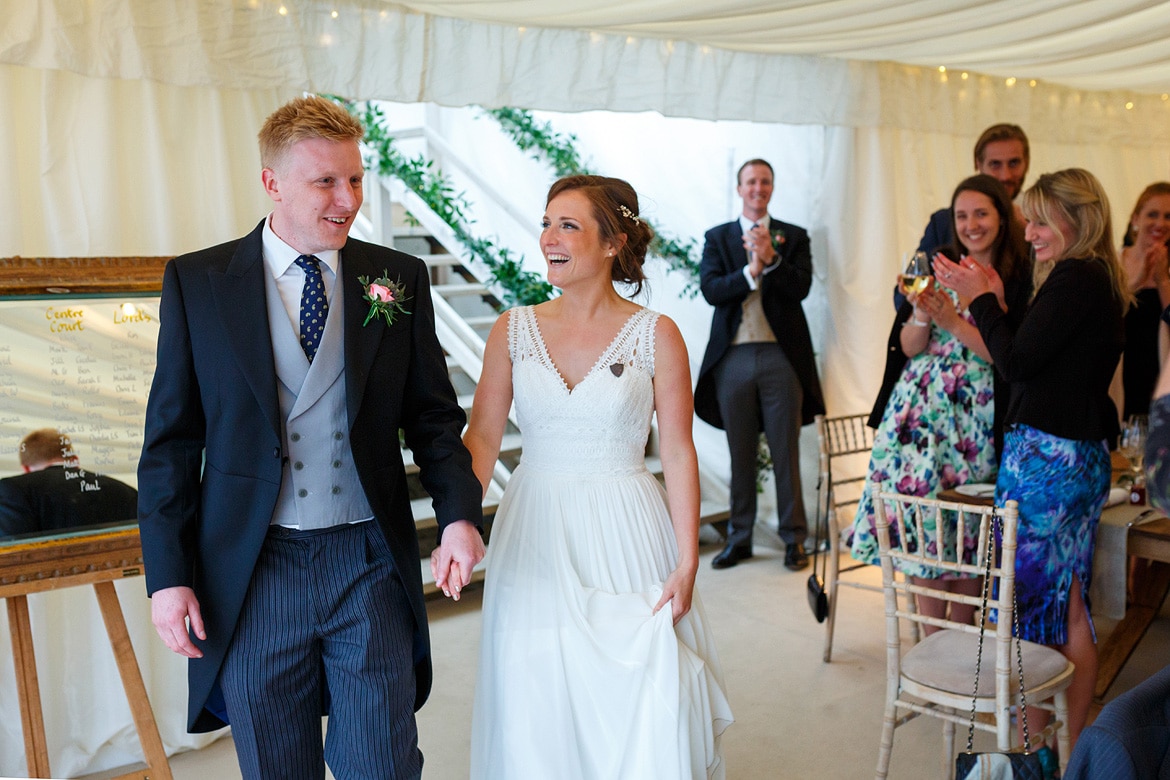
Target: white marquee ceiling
(1088,44)
(1088,71)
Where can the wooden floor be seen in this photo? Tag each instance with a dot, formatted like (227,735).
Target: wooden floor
(796,717)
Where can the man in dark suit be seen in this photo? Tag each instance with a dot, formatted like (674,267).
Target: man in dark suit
(54,493)
(1001,151)
(759,373)
(281,555)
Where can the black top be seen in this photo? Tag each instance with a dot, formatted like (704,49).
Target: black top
(1139,369)
(1061,358)
(57,498)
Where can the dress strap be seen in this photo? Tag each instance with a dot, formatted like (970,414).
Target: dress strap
(636,347)
(522,342)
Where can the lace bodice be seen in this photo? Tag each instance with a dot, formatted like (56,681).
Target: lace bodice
(599,428)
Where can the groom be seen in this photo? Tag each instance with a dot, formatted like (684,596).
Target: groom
(280,551)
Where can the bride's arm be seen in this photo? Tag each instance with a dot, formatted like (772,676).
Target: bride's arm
(489,410)
(485,431)
(675,407)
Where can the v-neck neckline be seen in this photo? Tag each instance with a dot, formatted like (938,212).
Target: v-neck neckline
(547,356)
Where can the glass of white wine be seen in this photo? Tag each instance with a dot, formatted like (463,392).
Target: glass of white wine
(916,276)
(1133,442)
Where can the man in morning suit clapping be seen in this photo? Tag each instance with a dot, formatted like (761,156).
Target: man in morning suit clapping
(758,373)
(280,552)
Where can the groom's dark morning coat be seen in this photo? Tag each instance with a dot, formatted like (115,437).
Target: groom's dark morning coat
(211,464)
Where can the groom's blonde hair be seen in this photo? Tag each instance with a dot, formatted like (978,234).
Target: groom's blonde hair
(302,119)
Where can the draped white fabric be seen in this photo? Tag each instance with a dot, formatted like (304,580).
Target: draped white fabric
(1105,44)
(648,55)
(129,128)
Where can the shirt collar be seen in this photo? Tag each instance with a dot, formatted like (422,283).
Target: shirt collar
(747,224)
(279,256)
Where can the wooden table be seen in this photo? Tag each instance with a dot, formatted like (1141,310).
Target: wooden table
(1148,545)
(95,559)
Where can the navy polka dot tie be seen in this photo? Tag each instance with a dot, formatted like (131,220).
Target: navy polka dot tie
(314,306)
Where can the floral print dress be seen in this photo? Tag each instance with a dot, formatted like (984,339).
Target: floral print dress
(936,433)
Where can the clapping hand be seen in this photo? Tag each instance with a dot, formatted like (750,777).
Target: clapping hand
(936,305)
(758,243)
(968,278)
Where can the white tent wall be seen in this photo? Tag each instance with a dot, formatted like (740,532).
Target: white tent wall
(114,167)
(129,128)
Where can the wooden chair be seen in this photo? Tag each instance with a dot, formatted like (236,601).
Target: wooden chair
(845,444)
(935,676)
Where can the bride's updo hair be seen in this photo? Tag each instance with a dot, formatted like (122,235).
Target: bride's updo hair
(615,207)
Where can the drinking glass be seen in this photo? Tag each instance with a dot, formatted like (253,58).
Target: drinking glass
(1133,442)
(916,276)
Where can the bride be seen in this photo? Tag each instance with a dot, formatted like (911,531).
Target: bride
(596,661)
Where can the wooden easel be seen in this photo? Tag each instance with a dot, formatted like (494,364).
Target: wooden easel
(45,565)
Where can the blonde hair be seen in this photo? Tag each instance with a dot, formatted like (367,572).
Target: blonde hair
(1075,198)
(302,119)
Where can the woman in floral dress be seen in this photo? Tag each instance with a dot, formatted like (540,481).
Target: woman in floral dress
(935,417)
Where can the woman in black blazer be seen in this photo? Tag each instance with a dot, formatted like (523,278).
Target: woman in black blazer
(1060,420)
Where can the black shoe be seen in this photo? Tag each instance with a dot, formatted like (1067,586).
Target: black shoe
(730,556)
(794,558)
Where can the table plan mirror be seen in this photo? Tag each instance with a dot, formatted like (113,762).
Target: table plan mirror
(77,355)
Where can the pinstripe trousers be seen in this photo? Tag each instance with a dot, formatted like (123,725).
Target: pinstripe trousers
(325,627)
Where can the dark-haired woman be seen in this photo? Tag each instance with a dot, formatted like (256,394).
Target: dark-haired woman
(936,414)
(596,661)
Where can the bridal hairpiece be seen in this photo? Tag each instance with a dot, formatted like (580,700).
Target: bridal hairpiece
(625,210)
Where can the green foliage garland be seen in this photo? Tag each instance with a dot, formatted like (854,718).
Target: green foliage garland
(557,150)
(520,287)
(539,139)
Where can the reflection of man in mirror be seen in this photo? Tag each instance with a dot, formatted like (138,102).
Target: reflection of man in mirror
(54,493)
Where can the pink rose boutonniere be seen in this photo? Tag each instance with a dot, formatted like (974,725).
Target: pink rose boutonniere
(777,239)
(386,298)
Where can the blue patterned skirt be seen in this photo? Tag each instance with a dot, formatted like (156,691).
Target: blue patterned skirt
(1061,486)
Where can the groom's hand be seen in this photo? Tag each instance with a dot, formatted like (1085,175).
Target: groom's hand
(452,561)
(173,610)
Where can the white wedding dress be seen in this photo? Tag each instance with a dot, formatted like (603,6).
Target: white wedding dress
(577,679)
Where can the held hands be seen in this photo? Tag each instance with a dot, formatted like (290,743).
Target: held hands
(452,561)
(677,591)
(170,610)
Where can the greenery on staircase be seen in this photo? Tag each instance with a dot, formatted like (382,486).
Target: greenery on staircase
(560,153)
(519,287)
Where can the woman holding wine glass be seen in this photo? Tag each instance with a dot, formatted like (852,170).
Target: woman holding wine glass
(935,415)
(1059,359)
